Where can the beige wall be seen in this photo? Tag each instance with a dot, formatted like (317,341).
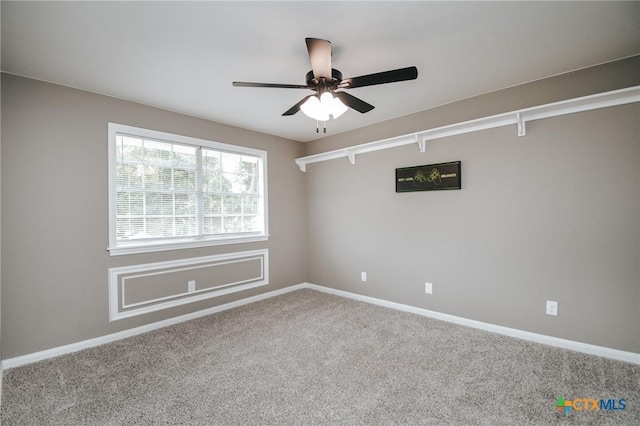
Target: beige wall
(54,212)
(553,215)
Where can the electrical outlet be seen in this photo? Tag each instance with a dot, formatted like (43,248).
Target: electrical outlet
(428,288)
(191,286)
(552,308)
(363,276)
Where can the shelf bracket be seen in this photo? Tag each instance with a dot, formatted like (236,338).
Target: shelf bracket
(522,129)
(351,155)
(302,165)
(422,144)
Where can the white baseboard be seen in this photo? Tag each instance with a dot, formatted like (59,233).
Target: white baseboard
(78,346)
(631,357)
(587,348)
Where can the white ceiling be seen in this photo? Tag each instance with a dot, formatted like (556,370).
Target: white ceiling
(183,56)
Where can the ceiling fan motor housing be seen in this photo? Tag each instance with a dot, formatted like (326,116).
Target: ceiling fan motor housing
(322,84)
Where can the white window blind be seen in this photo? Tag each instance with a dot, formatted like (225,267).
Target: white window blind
(170,191)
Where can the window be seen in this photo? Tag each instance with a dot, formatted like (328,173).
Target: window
(169,191)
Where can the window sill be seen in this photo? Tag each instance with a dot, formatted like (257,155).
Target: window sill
(139,248)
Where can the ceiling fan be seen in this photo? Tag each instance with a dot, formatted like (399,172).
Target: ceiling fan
(325,81)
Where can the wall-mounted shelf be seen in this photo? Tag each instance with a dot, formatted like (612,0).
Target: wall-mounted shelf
(518,118)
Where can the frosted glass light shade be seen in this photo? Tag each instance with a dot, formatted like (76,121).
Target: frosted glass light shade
(313,108)
(338,108)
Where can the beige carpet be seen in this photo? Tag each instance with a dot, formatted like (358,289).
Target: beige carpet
(312,358)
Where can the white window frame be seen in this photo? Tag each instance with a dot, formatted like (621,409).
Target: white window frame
(132,247)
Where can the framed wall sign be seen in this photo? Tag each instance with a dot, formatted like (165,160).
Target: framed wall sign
(432,177)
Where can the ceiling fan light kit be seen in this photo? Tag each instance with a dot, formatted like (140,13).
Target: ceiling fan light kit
(325,81)
(321,108)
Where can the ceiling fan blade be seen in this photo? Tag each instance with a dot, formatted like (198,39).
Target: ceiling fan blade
(320,57)
(296,107)
(402,74)
(271,85)
(353,102)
